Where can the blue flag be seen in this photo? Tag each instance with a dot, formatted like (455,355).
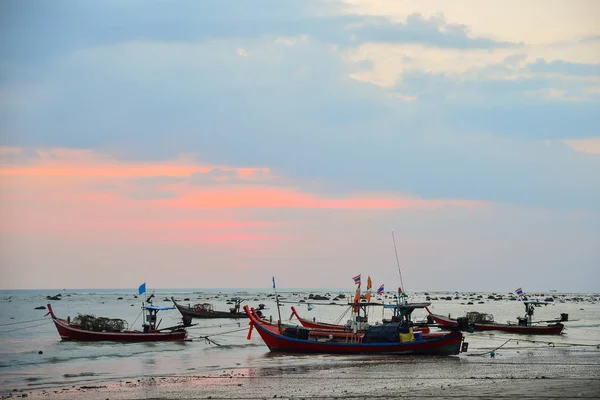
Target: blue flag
(142,288)
(273,282)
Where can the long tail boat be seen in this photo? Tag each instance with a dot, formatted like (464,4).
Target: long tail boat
(485,322)
(72,331)
(380,339)
(207,310)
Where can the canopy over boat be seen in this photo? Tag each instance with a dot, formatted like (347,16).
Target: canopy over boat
(159,308)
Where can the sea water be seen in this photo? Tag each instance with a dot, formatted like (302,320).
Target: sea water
(32,356)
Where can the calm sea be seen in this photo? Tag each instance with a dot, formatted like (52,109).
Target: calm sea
(32,356)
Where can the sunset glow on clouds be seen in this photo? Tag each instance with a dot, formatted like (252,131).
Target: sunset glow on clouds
(293,141)
(112,193)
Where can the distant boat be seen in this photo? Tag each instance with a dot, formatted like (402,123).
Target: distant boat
(70,330)
(207,310)
(485,322)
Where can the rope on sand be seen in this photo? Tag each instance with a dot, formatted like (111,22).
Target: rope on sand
(492,353)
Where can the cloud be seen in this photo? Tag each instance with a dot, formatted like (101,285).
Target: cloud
(213,176)
(241,52)
(563,67)
(218,176)
(388,63)
(149,193)
(352,100)
(540,22)
(589,145)
(80,170)
(461,136)
(158,180)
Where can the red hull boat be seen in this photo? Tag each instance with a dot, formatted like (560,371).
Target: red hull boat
(555,328)
(318,325)
(70,331)
(334,327)
(281,339)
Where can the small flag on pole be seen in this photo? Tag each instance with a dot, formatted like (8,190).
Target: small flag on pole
(519,291)
(369,283)
(357,279)
(142,288)
(273,282)
(380,290)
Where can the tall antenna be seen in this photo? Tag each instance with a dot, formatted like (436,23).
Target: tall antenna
(277,301)
(397,261)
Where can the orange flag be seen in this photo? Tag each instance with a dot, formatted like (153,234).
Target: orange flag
(369,283)
(357,296)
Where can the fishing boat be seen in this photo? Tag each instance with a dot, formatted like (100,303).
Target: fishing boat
(485,322)
(111,328)
(207,310)
(393,339)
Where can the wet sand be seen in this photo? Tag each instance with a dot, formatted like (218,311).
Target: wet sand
(551,374)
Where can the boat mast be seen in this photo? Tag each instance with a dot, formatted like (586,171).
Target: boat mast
(277,301)
(398,264)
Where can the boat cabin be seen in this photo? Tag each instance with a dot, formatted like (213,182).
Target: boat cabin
(151,322)
(204,307)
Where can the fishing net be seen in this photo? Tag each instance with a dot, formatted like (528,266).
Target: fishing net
(480,318)
(100,324)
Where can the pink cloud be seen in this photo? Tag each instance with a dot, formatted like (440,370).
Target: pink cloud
(65,202)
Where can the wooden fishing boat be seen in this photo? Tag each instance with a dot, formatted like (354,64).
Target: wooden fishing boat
(485,322)
(409,307)
(380,339)
(72,331)
(207,310)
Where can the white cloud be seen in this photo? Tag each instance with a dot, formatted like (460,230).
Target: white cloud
(589,145)
(551,94)
(531,21)
(390,61)
(241,52)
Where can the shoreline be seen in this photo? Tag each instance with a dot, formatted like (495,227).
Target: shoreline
(528,376)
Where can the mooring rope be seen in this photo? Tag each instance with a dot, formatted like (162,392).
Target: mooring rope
(216,325)
(24,322)
(207,337)
(136,318)
(26,327)
(517,340)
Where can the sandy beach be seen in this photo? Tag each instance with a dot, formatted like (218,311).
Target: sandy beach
(540,374)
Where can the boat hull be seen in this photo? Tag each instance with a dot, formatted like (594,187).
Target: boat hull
(553,329)
(448,344)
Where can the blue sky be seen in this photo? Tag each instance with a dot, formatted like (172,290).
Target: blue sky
(490,102)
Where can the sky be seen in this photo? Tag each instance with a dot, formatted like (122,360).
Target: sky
(215,144)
